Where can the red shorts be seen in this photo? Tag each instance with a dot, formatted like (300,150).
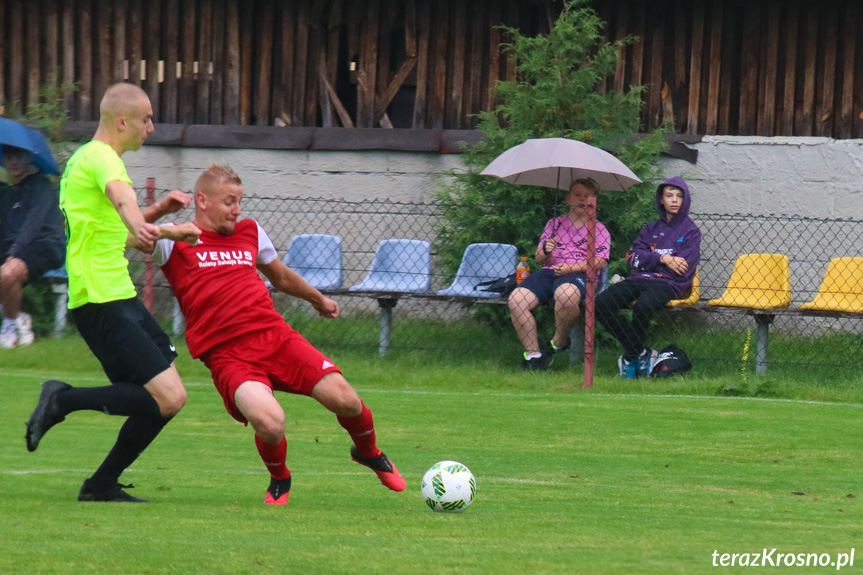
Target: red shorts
(280,358)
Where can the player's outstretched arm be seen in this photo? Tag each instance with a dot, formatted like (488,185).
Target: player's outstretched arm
(290,282)
(175,201)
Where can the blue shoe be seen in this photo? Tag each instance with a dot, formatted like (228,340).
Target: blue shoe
(628,369)
(646,361)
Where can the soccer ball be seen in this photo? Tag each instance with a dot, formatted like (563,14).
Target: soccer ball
(448,486)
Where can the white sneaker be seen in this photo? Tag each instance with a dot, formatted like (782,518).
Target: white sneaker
(25,328)
(8,335)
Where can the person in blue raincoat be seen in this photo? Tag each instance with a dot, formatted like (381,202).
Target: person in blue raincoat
(32,240)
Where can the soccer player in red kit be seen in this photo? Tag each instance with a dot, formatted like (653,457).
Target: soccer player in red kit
(233,327)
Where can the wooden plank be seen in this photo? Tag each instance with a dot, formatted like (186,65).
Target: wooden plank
(326,101)
(334,28)
(473,94)
(384,99)
(317,43)
(437,87)
(286,71)
(16,65)
(151,53)
(385,30)
(233,62)
(118,51)
(84,57)
(638,24)
(3,50)
(767,112)
(134,48)
(493,72)
(264,35)
(103,23)
(69,49)
(714,71)
(788,99)
(622,32)
(825,109)
(301,58)
(726,100)
(455,82)
(204,57)
(844,124)
(170,92)
(343,114)
(368,66)
(420,114)
(749,73)
(219,51)
(857,131)
(247,30)
(511,62)
(695,68)
(411,28)
(804,123)
(187,57)
(52,71)
(654,94)
(33,50)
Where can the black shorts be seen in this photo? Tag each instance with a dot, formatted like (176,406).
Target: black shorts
(543,283)
(125,339)
(40,257)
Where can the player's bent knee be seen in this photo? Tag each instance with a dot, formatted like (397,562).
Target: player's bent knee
(335,393)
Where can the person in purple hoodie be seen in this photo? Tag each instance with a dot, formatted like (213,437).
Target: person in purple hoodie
(663,258)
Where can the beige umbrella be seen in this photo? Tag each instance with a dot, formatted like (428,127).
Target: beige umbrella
(556,163)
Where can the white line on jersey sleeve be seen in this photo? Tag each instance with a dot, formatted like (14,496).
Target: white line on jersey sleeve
(163,250)
(266,249)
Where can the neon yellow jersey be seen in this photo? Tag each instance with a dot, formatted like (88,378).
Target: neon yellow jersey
(95,234)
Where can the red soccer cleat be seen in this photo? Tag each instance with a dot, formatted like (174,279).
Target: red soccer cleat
(383,468)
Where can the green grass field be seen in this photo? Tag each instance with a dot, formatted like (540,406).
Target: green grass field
(645,477)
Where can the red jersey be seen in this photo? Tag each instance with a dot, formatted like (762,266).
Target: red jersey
(218,286)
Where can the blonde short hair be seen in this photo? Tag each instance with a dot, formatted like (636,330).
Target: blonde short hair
(214,174)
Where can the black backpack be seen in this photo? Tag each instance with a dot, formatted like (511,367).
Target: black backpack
(504,286)
(671,361)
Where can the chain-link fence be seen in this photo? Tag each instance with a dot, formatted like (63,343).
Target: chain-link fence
(717,338)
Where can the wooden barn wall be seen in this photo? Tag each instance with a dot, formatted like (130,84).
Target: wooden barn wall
(736,67)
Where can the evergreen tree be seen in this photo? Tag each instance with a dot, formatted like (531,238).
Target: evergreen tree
(555,95)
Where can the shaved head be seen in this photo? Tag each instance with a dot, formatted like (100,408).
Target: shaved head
(120,98)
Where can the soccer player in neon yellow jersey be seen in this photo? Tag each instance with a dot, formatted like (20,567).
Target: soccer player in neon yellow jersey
(103,219)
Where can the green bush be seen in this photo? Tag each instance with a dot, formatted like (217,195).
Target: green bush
(555,94)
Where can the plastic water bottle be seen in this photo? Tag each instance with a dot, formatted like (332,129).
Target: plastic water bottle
(521,271)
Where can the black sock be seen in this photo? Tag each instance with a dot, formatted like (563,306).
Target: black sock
(125,399)
(135,435)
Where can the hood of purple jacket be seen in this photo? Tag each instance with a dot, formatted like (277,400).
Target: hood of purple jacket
(683,213)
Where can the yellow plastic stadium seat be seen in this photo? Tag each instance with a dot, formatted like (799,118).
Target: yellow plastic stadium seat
(690,296)
(842,288)
(758,281)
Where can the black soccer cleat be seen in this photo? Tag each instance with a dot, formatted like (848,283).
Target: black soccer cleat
(115,494)
(278,491)
(540,363)
(46,415)
(383,468)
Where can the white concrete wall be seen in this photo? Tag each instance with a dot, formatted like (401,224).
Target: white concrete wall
(814,177)
(352,176)
(810,177)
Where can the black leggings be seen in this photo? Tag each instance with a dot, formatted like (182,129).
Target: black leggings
(648,296)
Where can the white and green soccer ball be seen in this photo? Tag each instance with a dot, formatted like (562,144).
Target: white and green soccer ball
(448,486)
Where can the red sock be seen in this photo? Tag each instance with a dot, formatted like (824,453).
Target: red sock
(362,430)
(274,457)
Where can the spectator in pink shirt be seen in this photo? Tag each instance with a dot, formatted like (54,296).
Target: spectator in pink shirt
(562,253)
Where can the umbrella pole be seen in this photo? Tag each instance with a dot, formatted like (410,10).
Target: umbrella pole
(590,296)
